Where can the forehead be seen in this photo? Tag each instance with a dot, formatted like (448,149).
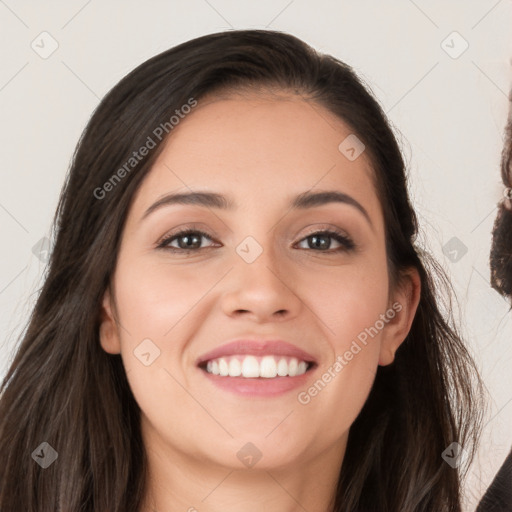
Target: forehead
(260,148)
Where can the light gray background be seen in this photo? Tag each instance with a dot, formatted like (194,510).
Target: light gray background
(449,113)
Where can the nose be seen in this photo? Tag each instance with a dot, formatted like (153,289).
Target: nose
(261,290)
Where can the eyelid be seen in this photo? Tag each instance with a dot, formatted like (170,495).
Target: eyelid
(326,227)
(181,232)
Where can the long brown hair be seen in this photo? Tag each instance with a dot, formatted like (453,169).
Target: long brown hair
(63,389)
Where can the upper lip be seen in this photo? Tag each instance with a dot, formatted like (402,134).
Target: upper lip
(257,347)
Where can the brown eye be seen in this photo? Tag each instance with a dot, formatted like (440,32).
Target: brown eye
(321,240)
(188,240)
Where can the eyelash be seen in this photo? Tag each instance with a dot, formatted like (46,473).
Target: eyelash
(346,242)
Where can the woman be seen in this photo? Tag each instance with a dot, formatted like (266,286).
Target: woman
(198,344)
(498,497)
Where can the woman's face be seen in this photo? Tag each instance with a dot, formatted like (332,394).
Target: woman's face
(260,274)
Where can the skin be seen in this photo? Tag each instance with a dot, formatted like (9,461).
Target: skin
(261,149)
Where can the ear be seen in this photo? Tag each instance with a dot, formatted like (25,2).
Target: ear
(405,303)
(109,333)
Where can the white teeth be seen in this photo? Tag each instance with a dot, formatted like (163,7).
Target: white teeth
(292,367)
(282,368)
(235,367)
(250,367)
(266,367)
(223,367)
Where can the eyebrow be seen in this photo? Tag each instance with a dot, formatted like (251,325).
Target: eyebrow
(303,201)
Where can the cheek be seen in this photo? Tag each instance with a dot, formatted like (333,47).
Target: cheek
(354,311)
(154,297)
(348,300)
(351,308)
(155,305)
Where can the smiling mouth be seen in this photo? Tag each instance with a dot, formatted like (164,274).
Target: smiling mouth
(253,367)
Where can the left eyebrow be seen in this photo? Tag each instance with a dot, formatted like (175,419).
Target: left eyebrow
(313,199)
(214,200)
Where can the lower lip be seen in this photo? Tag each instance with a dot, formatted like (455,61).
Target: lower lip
(259,386)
